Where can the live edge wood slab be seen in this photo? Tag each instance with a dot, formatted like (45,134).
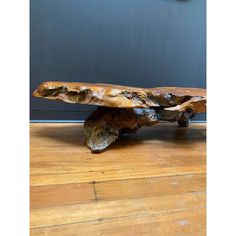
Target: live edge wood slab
(123,109)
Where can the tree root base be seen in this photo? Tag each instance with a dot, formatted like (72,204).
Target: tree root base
(105,124)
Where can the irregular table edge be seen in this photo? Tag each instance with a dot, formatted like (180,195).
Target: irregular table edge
(119,96)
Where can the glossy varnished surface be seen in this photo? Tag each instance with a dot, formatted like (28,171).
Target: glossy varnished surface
(150,183)
(112,95)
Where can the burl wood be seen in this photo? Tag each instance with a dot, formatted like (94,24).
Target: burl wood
(125,109)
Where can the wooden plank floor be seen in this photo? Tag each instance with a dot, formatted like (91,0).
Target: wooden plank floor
(149,183)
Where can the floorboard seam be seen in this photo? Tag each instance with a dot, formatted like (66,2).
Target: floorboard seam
(94,190)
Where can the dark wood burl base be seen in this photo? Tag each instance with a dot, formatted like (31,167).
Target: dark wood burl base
(105,124)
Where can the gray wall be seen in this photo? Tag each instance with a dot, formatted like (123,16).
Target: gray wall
(145,43)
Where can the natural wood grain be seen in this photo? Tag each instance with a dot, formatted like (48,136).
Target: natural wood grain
(59,195)
(128,189)
(46,217)
(190,222)
(106,175)
(152,183)
(112,95)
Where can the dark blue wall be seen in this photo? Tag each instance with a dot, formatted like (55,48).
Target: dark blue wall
(145,43)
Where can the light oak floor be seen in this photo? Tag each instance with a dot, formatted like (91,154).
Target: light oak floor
(148,183)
